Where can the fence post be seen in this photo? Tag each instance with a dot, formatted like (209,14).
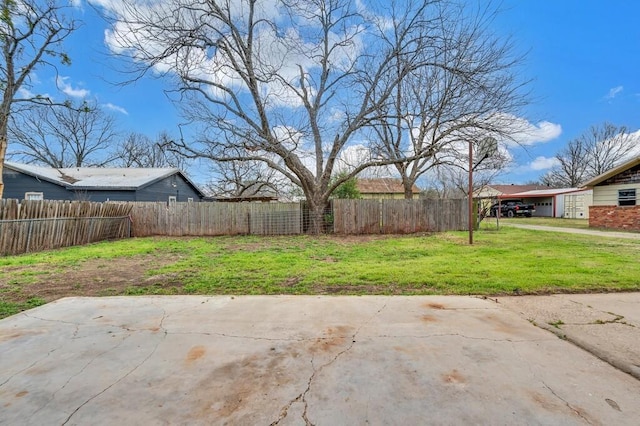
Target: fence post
(91,220)
(29,236)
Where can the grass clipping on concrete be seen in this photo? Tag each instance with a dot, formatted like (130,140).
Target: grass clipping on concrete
(508,261)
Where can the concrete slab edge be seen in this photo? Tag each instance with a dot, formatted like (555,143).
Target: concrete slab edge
(595,351)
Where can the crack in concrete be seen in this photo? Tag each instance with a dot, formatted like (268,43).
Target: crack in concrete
(53,396)
(131,371)
(33,364)
(51,320)
(571,407)
(303,396)
(617,320)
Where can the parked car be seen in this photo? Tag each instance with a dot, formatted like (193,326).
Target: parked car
(512,208)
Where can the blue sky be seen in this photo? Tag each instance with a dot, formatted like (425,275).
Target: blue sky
(581,55)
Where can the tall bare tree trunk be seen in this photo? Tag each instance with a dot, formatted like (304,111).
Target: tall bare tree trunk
(3,149)
(408,189)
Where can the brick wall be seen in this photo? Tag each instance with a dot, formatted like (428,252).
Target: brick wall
(614,217)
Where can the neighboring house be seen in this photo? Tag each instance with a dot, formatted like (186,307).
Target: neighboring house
(560,202)
(616,202)
(24,181)
(388,188)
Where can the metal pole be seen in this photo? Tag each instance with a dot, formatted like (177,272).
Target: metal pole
(470,193)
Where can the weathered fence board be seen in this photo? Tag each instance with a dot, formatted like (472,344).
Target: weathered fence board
(356,216)
(31,226)
(40,225)
(399,216)
(211,219)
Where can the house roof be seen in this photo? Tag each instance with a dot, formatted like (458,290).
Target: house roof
(99,178)
(540,193)
(382,186)
(613,172)
(514,189)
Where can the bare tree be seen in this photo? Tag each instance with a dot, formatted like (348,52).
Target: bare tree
(138,150)
(595,151)
(571,170)
(244,179)
(64,136)
(31,34)
(467,90)
(452,180)
(291,85)
(608,145)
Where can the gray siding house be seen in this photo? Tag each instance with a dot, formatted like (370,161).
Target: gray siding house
(24,181)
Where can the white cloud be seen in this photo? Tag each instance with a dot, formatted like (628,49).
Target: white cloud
(543,163)
(283,53)
(613,92)
(68,90)
(527,133)
(116,108)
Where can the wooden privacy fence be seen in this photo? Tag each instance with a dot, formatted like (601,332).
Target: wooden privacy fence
(210,219)
(399,216)
(349,217)
(31,226)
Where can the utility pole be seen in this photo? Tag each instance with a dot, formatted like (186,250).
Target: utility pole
(470,193)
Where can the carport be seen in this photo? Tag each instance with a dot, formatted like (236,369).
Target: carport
(548,202)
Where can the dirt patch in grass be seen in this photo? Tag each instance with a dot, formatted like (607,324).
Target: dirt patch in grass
(94,277)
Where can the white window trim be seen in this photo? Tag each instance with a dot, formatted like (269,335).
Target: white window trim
(35,196)
(633,198)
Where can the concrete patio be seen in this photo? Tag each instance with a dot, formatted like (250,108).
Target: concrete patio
(293,360)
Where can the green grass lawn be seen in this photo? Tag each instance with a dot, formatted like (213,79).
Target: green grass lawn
(508,261)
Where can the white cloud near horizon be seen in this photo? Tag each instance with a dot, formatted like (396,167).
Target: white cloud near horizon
(69,90)
(543,163)
(115,108)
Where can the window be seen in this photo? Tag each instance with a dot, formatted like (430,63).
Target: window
(172,199)
(190,200)
(34,196)
(627,197)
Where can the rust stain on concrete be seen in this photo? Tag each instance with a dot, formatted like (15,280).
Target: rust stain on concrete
(429,318)
(433,305)
(195,353)
(453,377)
(233,390)
(336,337)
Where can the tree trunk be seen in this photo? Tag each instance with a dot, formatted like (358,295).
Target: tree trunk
(316,215)
(408,189)
(3,151)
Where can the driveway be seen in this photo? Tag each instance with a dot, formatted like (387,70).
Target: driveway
(606,234)
(606,325)
(299,360)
